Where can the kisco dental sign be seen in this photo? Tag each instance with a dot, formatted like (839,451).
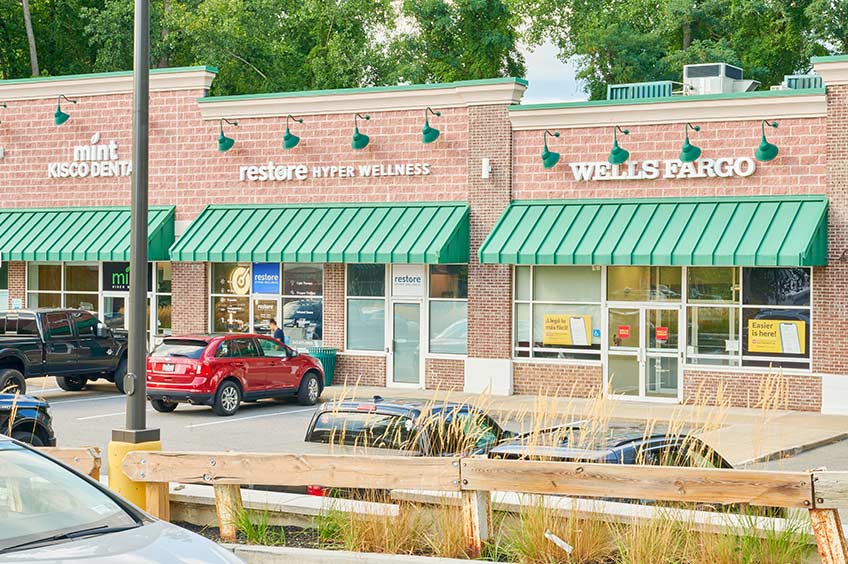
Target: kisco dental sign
(92,160)
(726,167)
(275,172)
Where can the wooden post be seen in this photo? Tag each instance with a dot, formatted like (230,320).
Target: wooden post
(158,499)
(476,519)
(829,537)
(228,505)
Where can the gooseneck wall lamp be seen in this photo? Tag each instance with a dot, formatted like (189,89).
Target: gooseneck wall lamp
(61,117)
(290,140)
(429,134)
(360,140)
(766,151)
(549,158)
(617,154)
(689,152)
(225,143)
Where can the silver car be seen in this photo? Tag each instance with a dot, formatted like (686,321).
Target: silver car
(51,513)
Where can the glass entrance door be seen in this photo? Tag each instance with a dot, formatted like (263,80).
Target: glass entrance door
(643,352)
(115,310)
(404,358)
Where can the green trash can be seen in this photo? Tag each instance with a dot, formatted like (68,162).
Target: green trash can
(327,356)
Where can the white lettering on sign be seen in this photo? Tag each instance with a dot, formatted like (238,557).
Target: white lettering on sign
(274,172)
(652,169)
(92,160)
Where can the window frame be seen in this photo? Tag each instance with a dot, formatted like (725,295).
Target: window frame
(426,305)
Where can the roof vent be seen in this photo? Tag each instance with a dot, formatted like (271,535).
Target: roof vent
(715,78)
(800,82)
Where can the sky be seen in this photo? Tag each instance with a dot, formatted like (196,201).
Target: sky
(550,79)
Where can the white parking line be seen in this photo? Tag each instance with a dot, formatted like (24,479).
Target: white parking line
(231,420)
(104,415)
(99,398)
(44,391)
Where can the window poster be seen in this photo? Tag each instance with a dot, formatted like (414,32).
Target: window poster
(776,336)
(568,330)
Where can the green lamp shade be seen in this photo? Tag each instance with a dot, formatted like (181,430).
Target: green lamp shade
(60,117)
(429,134)
(689,153)
(766,151)
(225,143)
(549,158)
(290,140)
(360,140)
(617,154)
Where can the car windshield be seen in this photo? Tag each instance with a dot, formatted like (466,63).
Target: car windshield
(180,347)
(39,500)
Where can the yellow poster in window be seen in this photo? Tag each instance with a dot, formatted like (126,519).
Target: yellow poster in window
(781,336)
(568,330)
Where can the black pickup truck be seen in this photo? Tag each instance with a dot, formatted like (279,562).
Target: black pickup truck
(70,344)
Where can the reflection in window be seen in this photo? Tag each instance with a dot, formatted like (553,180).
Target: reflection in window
(366,324)
(231,314)
(367,280)
(776,286)
(449,327)
(644,283)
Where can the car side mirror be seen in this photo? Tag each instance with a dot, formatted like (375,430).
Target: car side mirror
(102,331)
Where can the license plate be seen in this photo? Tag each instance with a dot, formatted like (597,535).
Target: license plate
(167,368)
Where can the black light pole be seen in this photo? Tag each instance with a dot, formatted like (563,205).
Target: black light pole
(135,382)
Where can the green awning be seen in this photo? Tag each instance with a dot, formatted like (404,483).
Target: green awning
(80,234)
(731,231)
(366,233)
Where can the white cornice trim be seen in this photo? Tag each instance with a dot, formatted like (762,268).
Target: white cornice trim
(507,93)
(833,72)
(104,84)
(731,109)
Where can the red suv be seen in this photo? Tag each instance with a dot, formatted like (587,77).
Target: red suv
(223,370)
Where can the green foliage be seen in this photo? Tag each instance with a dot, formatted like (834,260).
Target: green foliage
(617,41)
(457,40)
(256,530)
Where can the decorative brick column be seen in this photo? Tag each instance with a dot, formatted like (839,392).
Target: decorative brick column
(489,286)
(190,294)
(830,283)
(334,306)
(17,282)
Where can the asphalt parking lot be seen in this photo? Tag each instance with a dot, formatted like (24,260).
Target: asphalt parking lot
(87,418)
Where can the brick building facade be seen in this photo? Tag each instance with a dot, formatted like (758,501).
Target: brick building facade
(464,263)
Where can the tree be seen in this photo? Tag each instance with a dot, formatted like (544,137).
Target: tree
(618,41)
(829,19)
(33,53)
(457,40)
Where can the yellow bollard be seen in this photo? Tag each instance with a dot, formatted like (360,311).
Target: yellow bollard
(119,483)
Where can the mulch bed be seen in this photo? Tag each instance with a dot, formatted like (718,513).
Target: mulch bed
(296,537)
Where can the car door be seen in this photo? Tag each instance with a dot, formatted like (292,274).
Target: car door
(94,353)
(248,356)
(60,344)
(280,367)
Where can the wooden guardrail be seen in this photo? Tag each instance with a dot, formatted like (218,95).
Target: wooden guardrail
(474,478)
(86,460)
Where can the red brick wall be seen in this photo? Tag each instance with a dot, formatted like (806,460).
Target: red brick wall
(32,141)
(800,167)
(190,297)
(334,306)
(489,285)
(444,374)
(548,379)
(800,392)
(360,370)
(17,281)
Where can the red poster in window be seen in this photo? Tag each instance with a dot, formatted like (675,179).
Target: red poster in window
(624,331)
(662,333)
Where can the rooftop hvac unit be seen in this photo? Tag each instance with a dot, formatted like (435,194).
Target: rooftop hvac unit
(715,78)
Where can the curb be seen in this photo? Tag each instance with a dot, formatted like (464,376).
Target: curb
(252,554)
(791,451)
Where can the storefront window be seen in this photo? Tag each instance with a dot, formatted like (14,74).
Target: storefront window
(776,286)
(303,279)
(366,315)
(713,335)
(231,314)
(561,317)
(81,277)
(70,285)
(4,286)
(449,308)
(163,277)
(303,306)
(644,283)
(230,279)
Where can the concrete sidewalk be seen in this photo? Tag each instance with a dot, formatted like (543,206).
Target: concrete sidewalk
(741,435)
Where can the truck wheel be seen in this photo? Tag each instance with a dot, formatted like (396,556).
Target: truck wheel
(72,383)
(12,381)
(120,372)
(29,438)
(163,406)
(310,390)
(227,399)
